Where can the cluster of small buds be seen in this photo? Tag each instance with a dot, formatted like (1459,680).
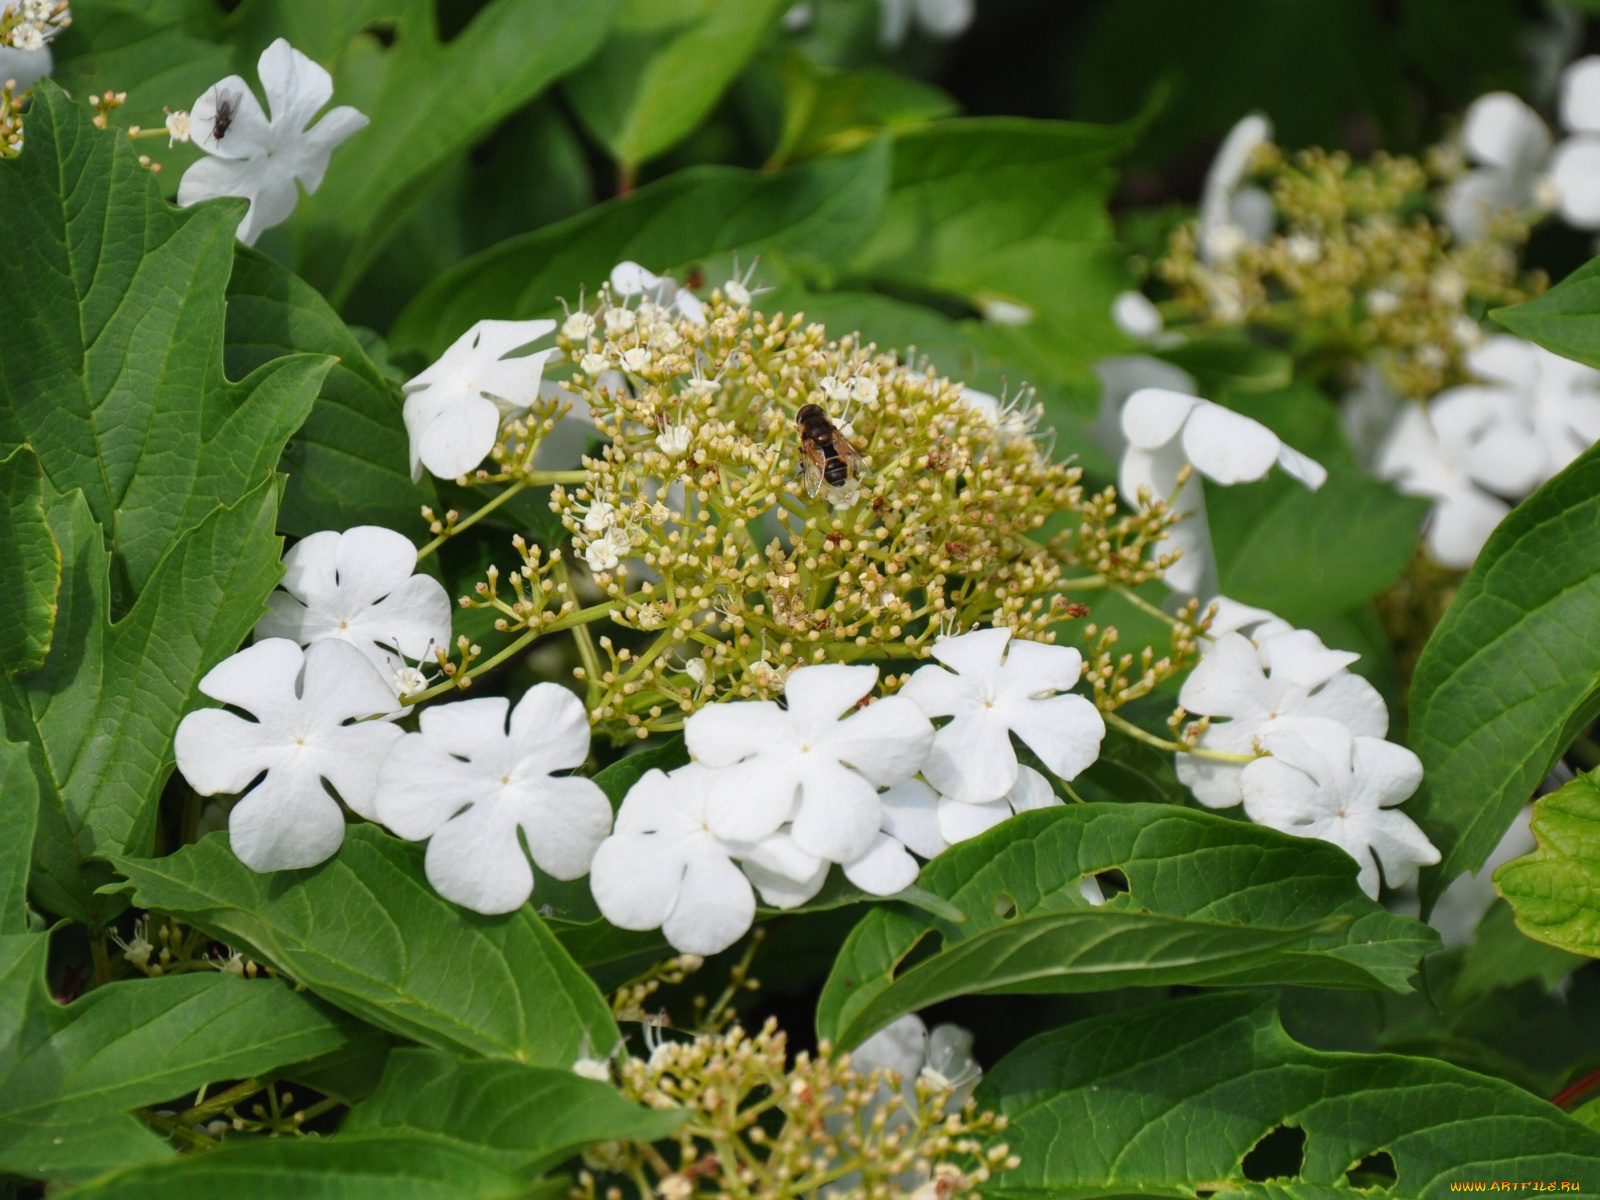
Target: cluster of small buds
(761,1124)
(703,523)
(173,949)
(104,105)
(11,120)
(28,24)
(1356,269)
(1121,678)
(1118,545)
(628,1002)
(539,596)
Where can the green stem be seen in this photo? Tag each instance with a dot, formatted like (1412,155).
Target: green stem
(1083,584)
(220,1102)
(1160,743)
(172,1128)
(483,512)
(1140,602)
(102,960)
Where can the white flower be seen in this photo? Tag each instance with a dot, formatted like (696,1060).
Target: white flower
(24,68)
(630,279)
(943,1057)
(663,868)
(636,360)
(601,516)
(177,128)
(298,742)
(737,293)
(620,320)
(942,19)
(1465,449)
(998,311)
(806,764)
(476,774)
(1014,417)
(959,821)
(260,159)
(993,691)
(1137,316)
(138,948)
(1296,655)
(1560,397)
(910,824)
(1166,430)
(1249,700)
(358,586)
(454,408)
(1120,377)
(28,38)
(1231,216)
(607,550)
(1381,302)
(1325,782)
(674,440)
(594,365)
(1518,170)
(578,327)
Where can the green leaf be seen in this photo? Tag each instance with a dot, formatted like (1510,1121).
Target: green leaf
(1502,956)
(1555,891)
(1209,901)
(365,931)
(429,101)
(1565,320)
(521,1118)
(337,1168)
(30,565)
(350,462)
(829,111)
(1177,1094)
(616,779)
(133,1043)
(821,210)
(120,299)
(19,816)
(666,63)
(1510,672)
(1001,209)
(100,715)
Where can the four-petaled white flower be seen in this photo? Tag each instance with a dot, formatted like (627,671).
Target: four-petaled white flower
(959,821)
(1248,700)
(1518,170)
(996,687)
(1322,781)
(806,764)
(472,778)
(310,728)
(453,409)
(259,159)
(1233,216)
(663,868)
(1559,398)
(630,279)
(358,586)
(1167,430)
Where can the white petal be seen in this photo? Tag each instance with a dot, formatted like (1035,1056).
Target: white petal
(958,821)
(1064,731)
(372,561)
(350,757)
(972,759)
(1300,658)
(911,817)
(1388,774)
(551,726)
(1351,701)
(1032,792)
(1575,167)
(1227,447)
(1580,95)
(937,692)
(476,860)
(455,440)
(976,655)
(312,150)
(1500,130)
(750,800)
(245,134)
(1303,468)
(630,279)
(838,813)
(218,751)
(722,734)
(1227,681)
(818,696)
(296,87)
(785,875)
(716,907)
(285,822)
(1460,525)
(339,684)
(1478,195)
(421,785)
(1035,668)
(901,1047)
(262,679)
(1153,417)
(635,879)
(1502,358)
(1136,315)
(887,741)
(564,821)
(884,869)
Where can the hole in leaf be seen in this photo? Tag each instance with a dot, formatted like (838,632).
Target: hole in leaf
(1280,1154)
(382,32)
(1103,885)
(1005,906)
(1375,1172)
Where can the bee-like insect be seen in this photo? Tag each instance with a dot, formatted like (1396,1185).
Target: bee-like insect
(826,456)
(227,110)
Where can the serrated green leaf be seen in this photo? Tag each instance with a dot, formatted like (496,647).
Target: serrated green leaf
(349,464)
(1555,891)
(1209,901)
(521,1118)
(365,931)
(1509,668)
(822,210)
(429,101)
(1168,1100)
(120,299)
(336,1168)
(1565,320)
(19,817)
(30,564)
(828,111)
(100,715)
(133,1043)
(665,65)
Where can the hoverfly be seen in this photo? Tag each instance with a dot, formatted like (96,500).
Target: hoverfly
(227,110)
(826,456)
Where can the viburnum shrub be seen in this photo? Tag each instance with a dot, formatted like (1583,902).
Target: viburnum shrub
(792,680)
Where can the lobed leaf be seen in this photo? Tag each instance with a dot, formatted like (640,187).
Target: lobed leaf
(1169,1100)
(19,817)
(1208,900)
(30,564)
(1564,320)
(1510,672)
(1555,891)
(365,931)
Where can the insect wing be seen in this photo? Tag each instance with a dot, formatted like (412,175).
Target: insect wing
(853,461)
(812,464)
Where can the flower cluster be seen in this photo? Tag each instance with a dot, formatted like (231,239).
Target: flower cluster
(28,25)
(778,794)
(1338,256)
(1267,689)
(892,1120)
